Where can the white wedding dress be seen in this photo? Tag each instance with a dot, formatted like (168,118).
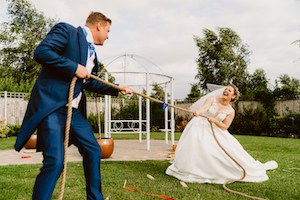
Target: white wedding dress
(198,157)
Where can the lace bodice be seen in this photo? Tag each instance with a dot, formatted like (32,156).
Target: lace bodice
(222,113)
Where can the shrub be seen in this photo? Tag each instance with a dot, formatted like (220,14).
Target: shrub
(286,126)
(258,122)
(251,121)
(154,128)
(93,121)
(4,131)
(181,122)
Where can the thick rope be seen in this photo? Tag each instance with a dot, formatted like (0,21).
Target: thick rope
(68,125)
(66,141)
(233,180)
(292,169)
(189,111)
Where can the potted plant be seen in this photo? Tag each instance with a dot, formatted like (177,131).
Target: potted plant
(31,143)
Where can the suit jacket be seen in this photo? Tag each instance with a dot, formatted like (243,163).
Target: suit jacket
(59,54)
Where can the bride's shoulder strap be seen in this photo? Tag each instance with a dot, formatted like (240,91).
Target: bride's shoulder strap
(230,110)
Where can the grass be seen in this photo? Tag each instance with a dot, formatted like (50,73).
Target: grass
(7,143)
(16,181)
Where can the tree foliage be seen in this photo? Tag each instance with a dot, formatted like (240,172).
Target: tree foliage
(19,36)
(195,92)
(258,79)
(158,92)
(287,87)
(157,113)
(9,84)
(222,58)
(255,85)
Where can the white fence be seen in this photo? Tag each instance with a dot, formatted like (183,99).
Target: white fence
(13,106)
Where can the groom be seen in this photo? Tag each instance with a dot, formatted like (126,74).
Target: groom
(64,53)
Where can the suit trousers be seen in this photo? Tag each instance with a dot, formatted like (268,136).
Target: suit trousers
(50,141)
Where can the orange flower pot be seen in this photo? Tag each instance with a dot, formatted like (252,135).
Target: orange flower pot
(31,143)
(107,146)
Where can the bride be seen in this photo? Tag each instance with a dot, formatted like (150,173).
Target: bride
(198,157)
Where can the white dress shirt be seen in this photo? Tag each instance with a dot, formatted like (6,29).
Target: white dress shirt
(89,64)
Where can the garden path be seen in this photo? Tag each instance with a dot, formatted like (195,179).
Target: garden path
(124,150)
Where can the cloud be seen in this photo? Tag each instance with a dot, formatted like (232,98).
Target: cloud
(162,31)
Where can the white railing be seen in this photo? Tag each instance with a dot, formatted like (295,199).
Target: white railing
(127,126)
(16,95)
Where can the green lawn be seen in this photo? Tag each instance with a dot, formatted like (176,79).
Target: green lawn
(7,143)
(16,181)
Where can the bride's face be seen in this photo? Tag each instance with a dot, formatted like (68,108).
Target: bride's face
(228,93)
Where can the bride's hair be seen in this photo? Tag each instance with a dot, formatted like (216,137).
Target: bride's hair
(236,92)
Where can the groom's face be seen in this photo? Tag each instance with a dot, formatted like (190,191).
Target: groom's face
(103,29)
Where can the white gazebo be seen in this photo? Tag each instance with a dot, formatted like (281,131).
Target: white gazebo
(140,74)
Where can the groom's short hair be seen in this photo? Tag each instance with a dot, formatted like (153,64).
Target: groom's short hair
(96,17)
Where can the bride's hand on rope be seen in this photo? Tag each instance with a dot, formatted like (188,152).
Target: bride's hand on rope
(124,89)
(212,120)
(197,113)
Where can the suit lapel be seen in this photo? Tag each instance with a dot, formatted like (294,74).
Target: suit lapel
(83,47)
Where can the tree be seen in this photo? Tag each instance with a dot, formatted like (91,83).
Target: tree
(258,79)
(158,92)
(257,85)
(19,36)
(195,92)
(157,113)
(223,58)
(289,89)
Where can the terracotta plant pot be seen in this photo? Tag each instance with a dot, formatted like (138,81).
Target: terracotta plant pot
(107,146)
(31,143)
(174,147)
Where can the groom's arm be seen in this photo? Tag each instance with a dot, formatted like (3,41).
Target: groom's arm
(49,52)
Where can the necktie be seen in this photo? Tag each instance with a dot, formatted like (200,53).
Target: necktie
(91,48)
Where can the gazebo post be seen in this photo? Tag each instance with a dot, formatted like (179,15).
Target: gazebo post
(106,110)
(172,113)
(140,118)
(166,117)
(147,113)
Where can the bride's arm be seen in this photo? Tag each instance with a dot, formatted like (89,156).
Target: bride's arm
(225,124)
(205,106)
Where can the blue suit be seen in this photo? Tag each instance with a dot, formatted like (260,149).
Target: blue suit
(59,54)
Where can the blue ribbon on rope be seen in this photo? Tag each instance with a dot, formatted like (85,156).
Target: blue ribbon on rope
(165,105)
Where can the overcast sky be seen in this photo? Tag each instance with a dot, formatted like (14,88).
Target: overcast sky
(162,31)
